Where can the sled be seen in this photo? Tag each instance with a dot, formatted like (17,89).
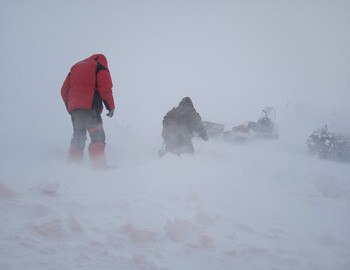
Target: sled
(265,128)
(213,129)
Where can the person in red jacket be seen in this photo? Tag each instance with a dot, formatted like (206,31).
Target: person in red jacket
(86,88)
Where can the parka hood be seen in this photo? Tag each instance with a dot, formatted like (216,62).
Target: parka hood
(100,58)
(186,102)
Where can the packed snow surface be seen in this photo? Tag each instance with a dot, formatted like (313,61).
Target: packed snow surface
(260,205)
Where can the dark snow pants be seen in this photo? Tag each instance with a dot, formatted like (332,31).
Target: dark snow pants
(86,120)
(178,144)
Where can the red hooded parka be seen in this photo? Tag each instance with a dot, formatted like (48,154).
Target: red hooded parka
(88,84)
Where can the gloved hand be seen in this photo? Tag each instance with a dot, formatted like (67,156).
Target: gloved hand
(110,113)
(205,138)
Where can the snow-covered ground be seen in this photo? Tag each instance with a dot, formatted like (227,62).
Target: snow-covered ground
(266,204)
(263,205)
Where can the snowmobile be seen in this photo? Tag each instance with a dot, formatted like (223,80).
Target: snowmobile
(325,143)
(265,128)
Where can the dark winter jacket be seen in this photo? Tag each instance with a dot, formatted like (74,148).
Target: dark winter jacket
(88,84)
(183,121)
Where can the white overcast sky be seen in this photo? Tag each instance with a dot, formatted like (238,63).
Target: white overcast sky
(231,57)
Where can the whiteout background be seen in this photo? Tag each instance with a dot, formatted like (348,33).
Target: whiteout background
(264,205)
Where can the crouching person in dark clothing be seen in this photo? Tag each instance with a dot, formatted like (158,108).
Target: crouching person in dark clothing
(179,124)
(87,86)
